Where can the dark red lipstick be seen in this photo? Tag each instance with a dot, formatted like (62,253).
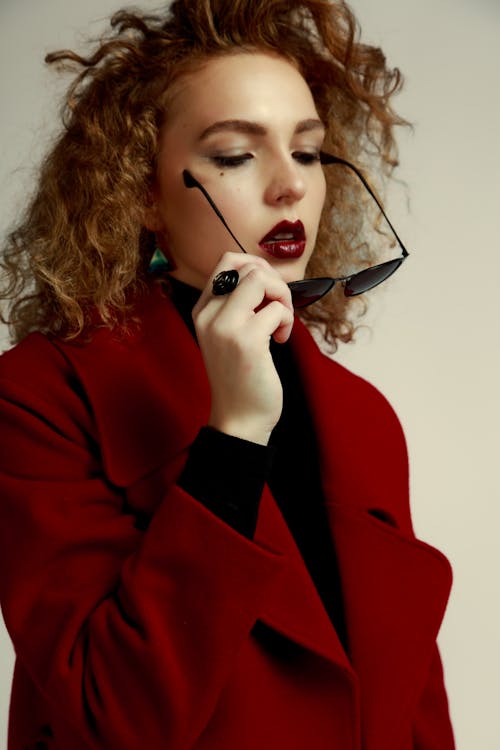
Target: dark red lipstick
(286,240)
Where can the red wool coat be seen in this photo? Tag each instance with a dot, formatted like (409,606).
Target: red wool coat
(184,635)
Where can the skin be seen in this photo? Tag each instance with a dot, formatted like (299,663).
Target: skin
(246,126)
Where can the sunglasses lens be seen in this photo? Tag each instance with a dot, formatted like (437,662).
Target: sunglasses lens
(307,291)
(371,277)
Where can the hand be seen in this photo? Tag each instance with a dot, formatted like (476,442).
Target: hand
(234,332)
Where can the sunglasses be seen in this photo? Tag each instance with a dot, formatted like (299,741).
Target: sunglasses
(307,291)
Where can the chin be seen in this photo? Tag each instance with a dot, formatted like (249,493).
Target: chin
(291,270)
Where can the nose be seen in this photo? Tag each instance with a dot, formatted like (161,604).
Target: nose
(286,184)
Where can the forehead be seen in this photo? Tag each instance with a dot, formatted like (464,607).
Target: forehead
(246,85)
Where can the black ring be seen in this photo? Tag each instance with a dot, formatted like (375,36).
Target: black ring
(225,282)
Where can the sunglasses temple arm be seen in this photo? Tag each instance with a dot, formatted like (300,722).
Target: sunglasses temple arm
(295,286)
(192,182)
(330,159)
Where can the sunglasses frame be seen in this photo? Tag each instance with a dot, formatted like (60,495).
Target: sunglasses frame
(301,289)
(327,159)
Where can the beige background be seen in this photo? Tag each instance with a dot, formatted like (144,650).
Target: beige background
(433,346)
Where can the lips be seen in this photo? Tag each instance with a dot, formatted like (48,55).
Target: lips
(286,240)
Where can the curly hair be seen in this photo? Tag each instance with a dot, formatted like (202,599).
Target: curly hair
(81,252)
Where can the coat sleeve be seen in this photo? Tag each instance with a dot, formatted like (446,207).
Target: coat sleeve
(129,634)
(432,728)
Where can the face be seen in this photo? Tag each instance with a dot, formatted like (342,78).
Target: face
(246,127)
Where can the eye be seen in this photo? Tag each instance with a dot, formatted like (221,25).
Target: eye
(226,162)
(306,157)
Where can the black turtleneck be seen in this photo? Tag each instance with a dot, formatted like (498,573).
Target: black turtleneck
(227,474)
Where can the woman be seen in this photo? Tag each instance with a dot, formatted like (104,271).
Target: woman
(206,540)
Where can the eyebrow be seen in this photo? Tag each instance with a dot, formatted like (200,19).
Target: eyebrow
(247,127)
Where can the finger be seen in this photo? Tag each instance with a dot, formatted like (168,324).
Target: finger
(210,306)
(274,320)
(228,261)
(257,287)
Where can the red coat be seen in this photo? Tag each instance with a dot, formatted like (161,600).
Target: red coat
(188,635)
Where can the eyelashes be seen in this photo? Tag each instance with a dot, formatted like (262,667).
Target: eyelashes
(227,162)
(306,158)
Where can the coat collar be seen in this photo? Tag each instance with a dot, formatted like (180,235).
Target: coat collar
(153,384)
(148,389)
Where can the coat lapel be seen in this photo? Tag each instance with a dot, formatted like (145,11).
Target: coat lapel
(294,607)
(395,588)
(149,392)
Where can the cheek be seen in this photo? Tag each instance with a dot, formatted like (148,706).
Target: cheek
(241,210)
(183,211)
(234,198)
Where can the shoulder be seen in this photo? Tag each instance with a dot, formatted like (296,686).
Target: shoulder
(40,393)
(353,398)
(42,364)
(366,402)
(368,420)
(35,365)
(361,440)
(137,396)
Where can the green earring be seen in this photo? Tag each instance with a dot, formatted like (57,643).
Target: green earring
(158,263)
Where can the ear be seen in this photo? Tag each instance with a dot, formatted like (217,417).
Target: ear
(152,219)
